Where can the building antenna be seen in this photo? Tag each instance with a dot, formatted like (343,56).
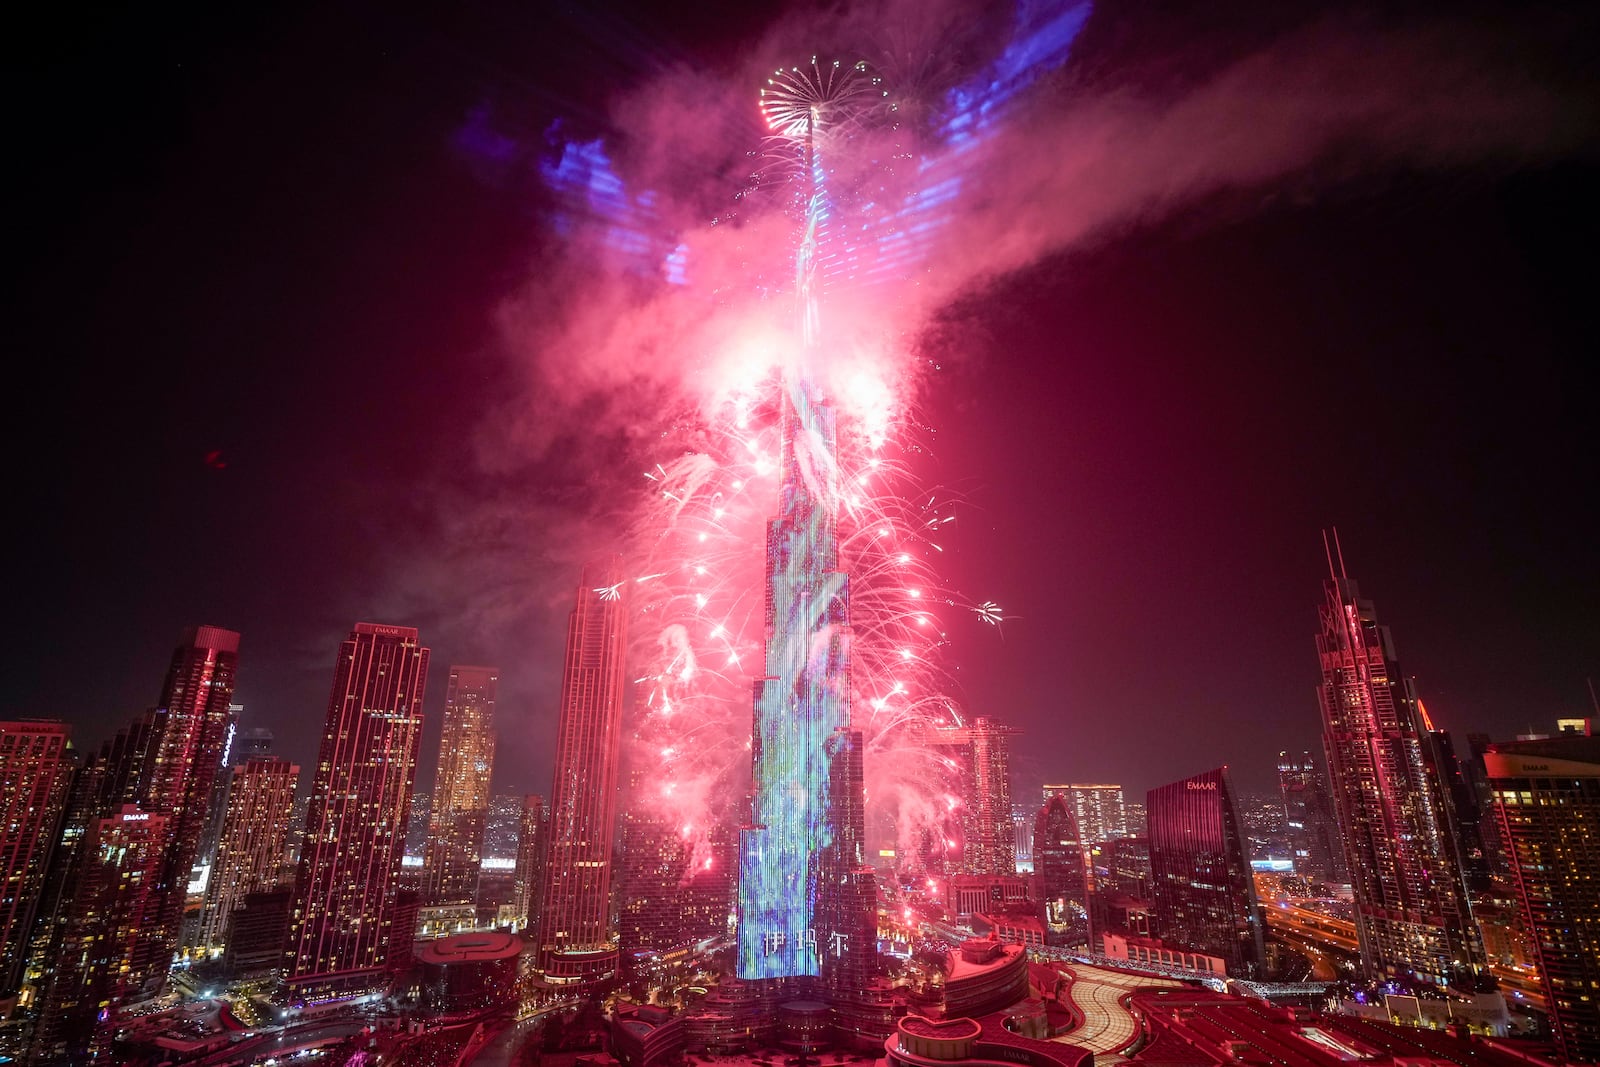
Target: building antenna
(1340,550)
(1327,550)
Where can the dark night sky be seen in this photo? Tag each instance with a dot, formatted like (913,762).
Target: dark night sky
(251,233)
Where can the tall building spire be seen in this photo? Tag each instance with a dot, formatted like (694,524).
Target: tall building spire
(803,699)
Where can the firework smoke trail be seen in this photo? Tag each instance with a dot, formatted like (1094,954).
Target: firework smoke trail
(662,323)
(703,542)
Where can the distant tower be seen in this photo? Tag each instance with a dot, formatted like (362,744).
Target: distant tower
(190,732)
(1308,810)
(1060,874)
(253,849)
(1098,808)
(461,791)
(216,805)
(531,849)
(1547,800)
(1204,890)
(36,765)
(653,859)
(989,835)
(577,942)
(1411,908)
(345,889)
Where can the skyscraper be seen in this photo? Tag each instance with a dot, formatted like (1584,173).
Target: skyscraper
(803,697)
(254,844)
(344,903)
(1411,909)
(1547,801)
(1205,897)
(185,751)
(36,765)
(989,837)
(461,791)
(654,858)
(577,942)
(1098,808)
(1060,874)
(113,895)
(531,852)
(1308,811)
(217,804)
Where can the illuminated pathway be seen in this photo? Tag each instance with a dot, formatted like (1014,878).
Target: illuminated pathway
(1108,1026)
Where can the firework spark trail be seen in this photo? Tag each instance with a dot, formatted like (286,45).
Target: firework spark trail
(974,187)
(708,531)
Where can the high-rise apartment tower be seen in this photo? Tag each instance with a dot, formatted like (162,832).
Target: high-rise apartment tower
(1411,909)
(1308,812)
(343,919)
(461,791)
(1547,800)
(36,765)
(253,848)
(576,940)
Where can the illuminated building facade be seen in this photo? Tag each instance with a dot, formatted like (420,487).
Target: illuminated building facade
(1098,808)
(988,835)
(36,765)
(189,732)
(253,850)
(1204,890)
(1060,874)
(345,889)
(531,849)
(1547,801)
(846,920)
(1411,908)
(117,882)
(1122,866)
(1308,812)
(654,857)
(461,791)
(801,701)
(577,941)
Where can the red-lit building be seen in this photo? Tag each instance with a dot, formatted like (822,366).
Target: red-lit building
(345,889)
(1205,898)
(1547,800)
(1396,819)
(461,791)
(576,941)
(189,732)
(253,851)
(36,764)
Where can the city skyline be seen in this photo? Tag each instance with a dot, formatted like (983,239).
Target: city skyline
(832,455)
(1425,275)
